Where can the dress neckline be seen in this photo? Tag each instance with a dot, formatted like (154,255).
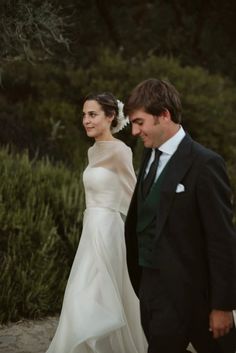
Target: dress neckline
(102,141)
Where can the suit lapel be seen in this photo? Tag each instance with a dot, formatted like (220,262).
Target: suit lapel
(177,167)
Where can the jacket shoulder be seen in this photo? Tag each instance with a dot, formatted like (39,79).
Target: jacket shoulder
(204,153)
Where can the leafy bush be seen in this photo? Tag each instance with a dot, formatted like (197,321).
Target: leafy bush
(209,101)
(40,223)
(41,105)
(40,112)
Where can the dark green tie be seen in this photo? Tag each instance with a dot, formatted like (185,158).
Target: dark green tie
(149,179)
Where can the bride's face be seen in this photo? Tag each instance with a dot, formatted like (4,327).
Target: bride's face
(95,122)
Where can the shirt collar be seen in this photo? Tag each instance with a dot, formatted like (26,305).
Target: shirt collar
(171,145)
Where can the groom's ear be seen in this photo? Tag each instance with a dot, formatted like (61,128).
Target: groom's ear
(165,116)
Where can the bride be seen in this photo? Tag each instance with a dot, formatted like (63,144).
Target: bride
(100,311)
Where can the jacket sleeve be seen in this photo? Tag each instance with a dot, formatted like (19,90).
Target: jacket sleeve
(215,207)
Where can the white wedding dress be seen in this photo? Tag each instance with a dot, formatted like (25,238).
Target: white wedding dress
(100,310)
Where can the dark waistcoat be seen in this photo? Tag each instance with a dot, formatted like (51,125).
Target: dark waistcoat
(146,223)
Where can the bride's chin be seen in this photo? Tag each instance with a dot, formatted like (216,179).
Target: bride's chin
(91,134)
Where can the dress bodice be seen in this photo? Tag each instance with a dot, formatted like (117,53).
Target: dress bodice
(109,178)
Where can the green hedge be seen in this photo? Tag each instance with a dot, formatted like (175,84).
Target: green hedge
(41,205)
(41,210)
(41,104)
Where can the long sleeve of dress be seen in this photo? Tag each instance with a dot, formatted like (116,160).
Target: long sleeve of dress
(125,171)
(113,177)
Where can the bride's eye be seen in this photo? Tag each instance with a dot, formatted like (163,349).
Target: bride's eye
(93,114)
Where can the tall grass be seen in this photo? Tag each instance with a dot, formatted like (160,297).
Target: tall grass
(41,209)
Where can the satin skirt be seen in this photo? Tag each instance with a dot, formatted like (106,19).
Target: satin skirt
(100,311)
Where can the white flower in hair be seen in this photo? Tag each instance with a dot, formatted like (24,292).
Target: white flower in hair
(122,121)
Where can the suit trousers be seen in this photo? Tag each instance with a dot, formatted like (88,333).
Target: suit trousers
(166,329)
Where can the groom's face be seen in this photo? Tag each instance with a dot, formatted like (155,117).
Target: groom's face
(149,127)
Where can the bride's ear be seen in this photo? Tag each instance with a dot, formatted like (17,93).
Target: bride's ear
(111,117)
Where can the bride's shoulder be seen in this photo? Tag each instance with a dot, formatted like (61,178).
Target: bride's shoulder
(113,149)
(122,144)
(122,152)
(121,147)
(90,150)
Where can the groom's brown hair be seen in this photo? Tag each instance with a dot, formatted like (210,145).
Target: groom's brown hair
(154,97)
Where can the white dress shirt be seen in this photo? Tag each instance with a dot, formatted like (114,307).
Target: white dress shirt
(168,148)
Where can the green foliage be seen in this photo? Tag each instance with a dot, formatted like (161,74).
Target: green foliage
(197,32)
(41,205)
(209,101)
(42,104)
(40,223)
(40,114)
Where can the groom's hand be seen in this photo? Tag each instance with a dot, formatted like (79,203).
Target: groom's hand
(220,322)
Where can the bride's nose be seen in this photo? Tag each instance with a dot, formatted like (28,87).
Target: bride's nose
(86,119)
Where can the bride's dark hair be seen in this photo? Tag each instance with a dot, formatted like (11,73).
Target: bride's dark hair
(108,103)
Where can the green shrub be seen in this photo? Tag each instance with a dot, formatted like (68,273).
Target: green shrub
(40,223)
(41,205)
(41,104)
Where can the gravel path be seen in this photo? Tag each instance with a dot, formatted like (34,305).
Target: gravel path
(28,336)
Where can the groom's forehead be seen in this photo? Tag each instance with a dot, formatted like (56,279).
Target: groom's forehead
(139,115)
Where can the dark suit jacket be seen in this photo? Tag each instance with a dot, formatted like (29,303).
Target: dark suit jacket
(195,240)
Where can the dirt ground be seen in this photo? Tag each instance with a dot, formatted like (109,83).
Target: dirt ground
(28,336)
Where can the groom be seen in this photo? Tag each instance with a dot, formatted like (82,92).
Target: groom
(181,242)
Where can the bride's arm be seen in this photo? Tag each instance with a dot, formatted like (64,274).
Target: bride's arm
(125,170)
